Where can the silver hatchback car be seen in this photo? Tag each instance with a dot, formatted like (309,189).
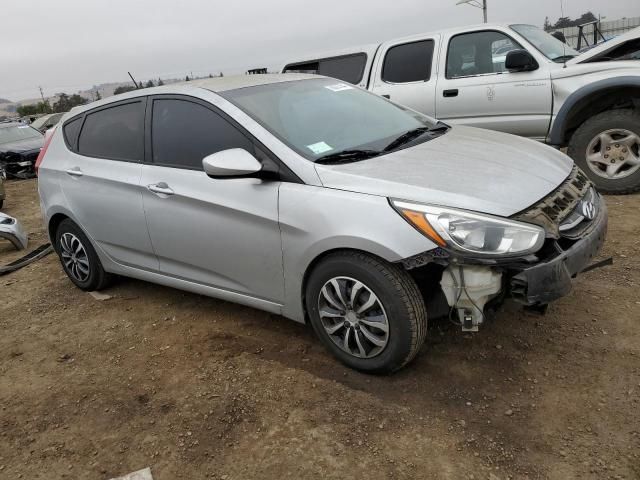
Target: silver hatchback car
(319,201)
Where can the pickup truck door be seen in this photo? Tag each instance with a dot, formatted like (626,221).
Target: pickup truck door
(405,71)
(474,88)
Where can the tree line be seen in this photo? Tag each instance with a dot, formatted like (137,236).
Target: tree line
(564,22)
(63,104)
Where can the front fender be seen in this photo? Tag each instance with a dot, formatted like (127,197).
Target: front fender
(575,99)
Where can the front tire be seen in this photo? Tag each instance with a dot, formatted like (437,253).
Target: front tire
(607,148)
(369,313)
(78,258)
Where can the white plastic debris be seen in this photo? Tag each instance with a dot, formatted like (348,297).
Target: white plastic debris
(144,474)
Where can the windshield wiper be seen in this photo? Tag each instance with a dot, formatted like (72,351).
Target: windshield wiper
(415,133)
(346,156)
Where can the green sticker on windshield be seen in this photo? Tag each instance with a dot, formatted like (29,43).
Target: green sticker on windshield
(319,148)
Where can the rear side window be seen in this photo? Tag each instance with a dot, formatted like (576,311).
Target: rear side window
(115,133)
(348,68)
(71,130)
(184,132)
(410,62)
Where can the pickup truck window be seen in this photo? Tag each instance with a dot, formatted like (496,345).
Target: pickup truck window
(349,68)
(410,62)
(321,117)
(478,53)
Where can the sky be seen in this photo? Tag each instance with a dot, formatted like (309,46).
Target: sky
(69,45)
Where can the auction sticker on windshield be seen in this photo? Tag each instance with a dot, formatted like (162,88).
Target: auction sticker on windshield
(319,148)
(339,87)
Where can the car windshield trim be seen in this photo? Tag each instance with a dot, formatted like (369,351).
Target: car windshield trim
(279,108)
(549,46)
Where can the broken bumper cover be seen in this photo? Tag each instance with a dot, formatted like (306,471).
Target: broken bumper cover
(547,281)
(11,229)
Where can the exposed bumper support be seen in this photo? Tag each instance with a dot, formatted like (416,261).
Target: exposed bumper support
(548,281)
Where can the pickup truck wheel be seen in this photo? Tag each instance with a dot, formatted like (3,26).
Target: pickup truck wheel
(368,313)
(607,148)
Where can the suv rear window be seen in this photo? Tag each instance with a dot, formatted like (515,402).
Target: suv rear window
(71,130)
(348,68)
(410,62)
(115,133)
(184,132)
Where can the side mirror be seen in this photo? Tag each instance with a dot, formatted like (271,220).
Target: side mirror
(520,61)
(231,163)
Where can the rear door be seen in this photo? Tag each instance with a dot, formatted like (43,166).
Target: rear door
(222,233)
(101,180)
(474,87)
(406,70)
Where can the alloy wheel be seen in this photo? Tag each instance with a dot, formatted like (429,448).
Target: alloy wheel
(74,256)
(353,317)
(614,154)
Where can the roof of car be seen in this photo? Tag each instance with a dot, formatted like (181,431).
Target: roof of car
(222,84)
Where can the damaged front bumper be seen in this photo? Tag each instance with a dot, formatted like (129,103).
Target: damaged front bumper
(11,229)
(551,279)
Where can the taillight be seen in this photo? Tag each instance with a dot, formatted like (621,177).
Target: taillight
(47,140)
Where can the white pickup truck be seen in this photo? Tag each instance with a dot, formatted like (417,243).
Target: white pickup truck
(512,78)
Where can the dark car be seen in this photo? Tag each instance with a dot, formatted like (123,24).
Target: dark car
(19,148)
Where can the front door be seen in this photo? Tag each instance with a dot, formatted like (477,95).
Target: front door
(474,88)
(222,233)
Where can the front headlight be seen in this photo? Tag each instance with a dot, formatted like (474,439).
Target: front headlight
(471,232)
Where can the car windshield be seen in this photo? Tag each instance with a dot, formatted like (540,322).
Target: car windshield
(324,117)
(17,133)
(549,46)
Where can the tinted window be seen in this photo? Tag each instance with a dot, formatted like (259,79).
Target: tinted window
(183,133)
(71,130)
(478,53)
(116,133)
(410,62)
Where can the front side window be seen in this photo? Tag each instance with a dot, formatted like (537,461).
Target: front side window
(348,68)
(321,117)
(184,132)
(16,133)
(115,133)
(410,62)
(478,53)
(549,46)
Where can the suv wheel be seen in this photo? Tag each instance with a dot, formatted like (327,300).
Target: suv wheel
(607,148)
(79,260)
(369,313)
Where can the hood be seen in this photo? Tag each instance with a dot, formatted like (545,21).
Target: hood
(579,71)
(600,52)
(467,168)
(22,146)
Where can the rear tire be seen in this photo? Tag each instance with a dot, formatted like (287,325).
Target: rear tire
(78,258)
(383,337)
(591,140)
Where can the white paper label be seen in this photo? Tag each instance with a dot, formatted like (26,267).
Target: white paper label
(319,148)
(339,87)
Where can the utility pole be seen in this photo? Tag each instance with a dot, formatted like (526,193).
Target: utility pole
(41,94)
(477,4)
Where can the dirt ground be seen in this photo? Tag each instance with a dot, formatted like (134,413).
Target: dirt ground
(199,388)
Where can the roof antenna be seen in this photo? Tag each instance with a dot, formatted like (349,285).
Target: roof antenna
(140,86)
(564,44)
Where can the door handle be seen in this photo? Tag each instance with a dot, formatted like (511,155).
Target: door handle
(450,93)
(387,96)
(161,188)
(75,172)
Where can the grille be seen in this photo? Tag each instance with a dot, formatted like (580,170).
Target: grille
(552,210)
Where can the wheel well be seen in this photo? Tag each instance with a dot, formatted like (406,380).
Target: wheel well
(606,99)
(427,277)
(54,223)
